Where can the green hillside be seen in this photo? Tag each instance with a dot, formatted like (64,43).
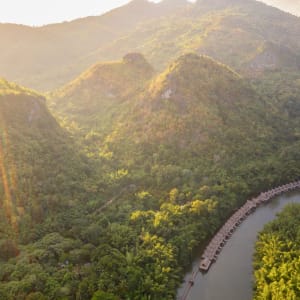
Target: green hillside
(249,36)
(40,172)
(180,154)
(224,30)
(44,188)
(112,182)
(93,98)
(52,55)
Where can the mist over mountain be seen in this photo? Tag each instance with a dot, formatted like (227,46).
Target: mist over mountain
(191,142)
(246,35)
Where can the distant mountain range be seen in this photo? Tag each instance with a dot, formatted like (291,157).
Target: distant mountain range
(245,34)
(196,104)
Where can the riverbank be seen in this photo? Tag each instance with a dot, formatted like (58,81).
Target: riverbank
(230,278)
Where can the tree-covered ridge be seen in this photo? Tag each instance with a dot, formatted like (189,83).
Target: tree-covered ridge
(38,164)
(7,87)
(184,153)
(179,154)
(116,77)
(246,35)
(92,99)
(224,30)
(52,55)
(195,104)
(277,263)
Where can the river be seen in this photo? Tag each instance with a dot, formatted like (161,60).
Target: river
(231,276)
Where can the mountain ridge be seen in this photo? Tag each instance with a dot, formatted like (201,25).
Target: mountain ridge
(101,89)
(161,32)
(36,154)
(174,155)
(144,157)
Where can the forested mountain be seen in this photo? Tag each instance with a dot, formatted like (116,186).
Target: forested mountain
(144,158)
(185,148)
(39,170)
(92,99)
(195,105)
(54,54)
(245,34)
(184,151)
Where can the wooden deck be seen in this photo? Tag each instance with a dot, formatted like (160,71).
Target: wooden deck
(215,246)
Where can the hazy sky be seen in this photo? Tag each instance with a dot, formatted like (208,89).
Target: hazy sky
(39,12)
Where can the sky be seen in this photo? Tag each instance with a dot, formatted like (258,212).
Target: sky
(292,6)
(41,12)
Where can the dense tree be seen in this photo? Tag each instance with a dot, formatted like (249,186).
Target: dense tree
(277,263)
(155,177)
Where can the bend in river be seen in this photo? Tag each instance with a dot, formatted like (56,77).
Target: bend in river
(230,277)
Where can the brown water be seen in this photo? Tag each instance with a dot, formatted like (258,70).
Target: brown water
(230,277)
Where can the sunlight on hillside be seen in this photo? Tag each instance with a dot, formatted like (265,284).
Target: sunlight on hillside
(291,6)
(8,175)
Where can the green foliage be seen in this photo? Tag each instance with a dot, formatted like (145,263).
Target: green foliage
(104,87)
(103,296)
(38,163)
(179,155)
(8,249)
(277,263)
(41,176)
(158,173)
(7,87)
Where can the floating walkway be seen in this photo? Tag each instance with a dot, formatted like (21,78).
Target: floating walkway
(215,246)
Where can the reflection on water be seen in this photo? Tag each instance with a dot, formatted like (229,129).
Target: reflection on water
(230,278)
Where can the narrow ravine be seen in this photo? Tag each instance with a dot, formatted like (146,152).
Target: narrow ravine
(230,277)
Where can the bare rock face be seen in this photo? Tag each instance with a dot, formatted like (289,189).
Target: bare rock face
(167,94)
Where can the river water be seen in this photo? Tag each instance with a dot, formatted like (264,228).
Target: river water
(230,277)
